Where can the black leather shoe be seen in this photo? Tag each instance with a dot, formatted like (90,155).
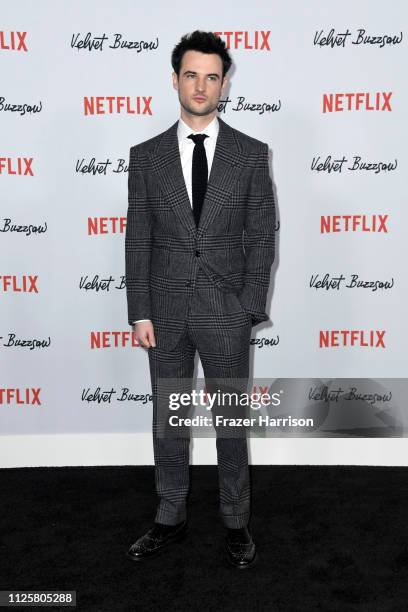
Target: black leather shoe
(155,539)
(241,550)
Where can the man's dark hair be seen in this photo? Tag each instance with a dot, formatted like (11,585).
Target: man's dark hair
(205,42)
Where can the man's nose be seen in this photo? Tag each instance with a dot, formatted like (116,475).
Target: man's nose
(201,84)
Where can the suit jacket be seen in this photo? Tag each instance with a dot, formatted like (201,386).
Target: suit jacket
(234,242)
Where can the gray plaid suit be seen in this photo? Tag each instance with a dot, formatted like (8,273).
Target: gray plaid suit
(203,287)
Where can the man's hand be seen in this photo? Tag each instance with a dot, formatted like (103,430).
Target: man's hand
(145,333)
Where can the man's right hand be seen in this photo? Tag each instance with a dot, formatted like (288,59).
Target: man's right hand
(145,333)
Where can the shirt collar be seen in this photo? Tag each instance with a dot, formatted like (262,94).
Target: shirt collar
(212,129)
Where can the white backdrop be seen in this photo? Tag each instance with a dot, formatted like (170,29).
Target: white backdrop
(46,62)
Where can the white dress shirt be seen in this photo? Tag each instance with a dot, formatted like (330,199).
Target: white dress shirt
(186,148)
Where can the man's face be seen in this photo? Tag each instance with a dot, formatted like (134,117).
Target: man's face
(199,82)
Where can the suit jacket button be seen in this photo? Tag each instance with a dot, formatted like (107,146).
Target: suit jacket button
(188,284)
(197,253)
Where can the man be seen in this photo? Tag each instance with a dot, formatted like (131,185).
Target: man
(199,247)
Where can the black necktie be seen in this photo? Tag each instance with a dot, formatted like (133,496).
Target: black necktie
(199,174)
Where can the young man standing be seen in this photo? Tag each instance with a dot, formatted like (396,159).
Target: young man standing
(199,247)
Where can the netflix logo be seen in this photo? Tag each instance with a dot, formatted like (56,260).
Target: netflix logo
(353,223)
(351,337)
(339,102)
(20,166)
(113,339)
(257,40)
(117,105)
(13,284)
(106,225)
(13,41)
(28,396)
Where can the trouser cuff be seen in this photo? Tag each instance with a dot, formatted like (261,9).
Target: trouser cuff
(169,518)
(235,521)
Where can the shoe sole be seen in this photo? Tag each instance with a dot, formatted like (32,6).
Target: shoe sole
(247,565)
(176,538)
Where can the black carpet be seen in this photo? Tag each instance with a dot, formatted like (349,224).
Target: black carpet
(329,538)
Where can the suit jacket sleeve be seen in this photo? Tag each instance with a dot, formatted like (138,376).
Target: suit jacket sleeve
(138,240)
(259,239)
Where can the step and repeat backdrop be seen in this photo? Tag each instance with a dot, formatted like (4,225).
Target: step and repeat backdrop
(325,85)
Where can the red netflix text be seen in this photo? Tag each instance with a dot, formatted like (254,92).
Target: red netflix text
(116,105)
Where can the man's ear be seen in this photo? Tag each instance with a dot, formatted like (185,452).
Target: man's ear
(175,79)
(224,82)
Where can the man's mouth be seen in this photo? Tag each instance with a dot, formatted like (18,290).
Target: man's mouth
(199,98)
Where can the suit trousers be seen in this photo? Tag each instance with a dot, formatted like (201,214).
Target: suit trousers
(219,329)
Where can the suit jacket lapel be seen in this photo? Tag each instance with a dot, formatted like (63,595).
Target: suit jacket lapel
(225,169)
